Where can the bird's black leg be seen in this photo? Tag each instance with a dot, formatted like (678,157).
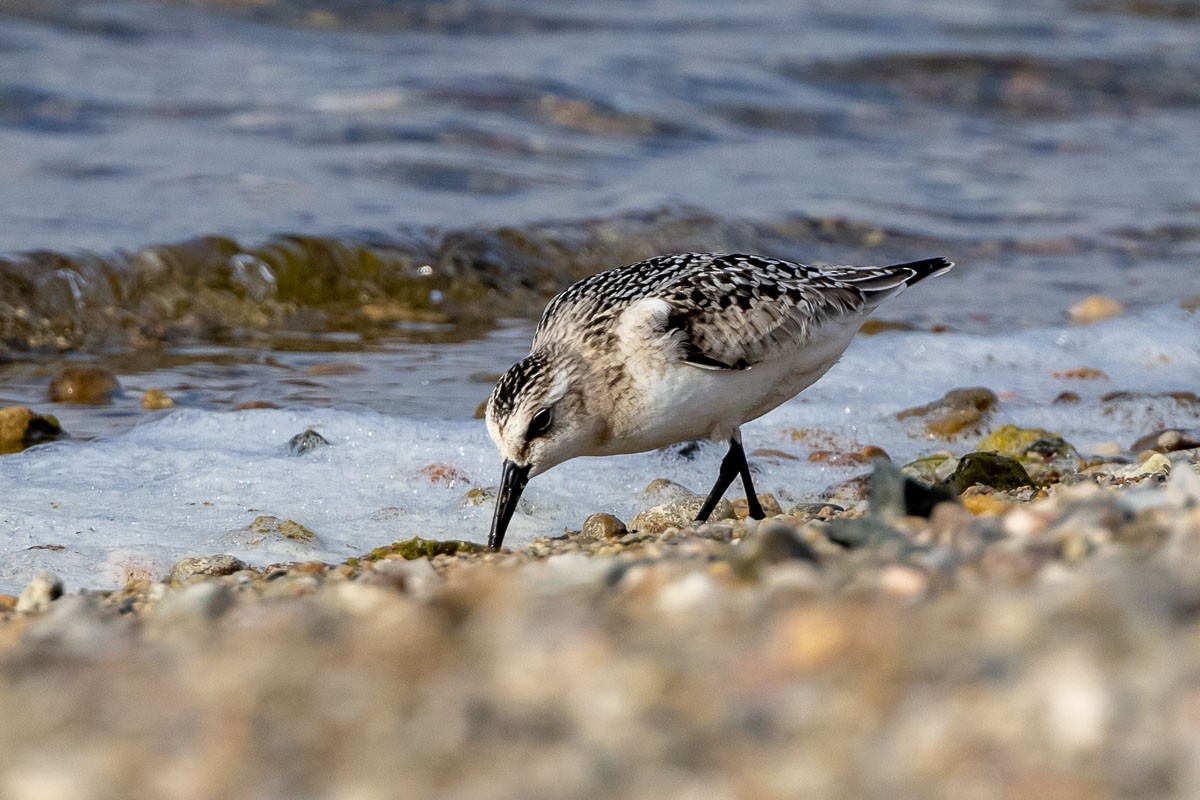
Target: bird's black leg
(732,465)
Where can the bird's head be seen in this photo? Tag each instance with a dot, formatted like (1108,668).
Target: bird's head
(538,417)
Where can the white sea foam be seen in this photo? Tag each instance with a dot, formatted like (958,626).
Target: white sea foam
(189,482)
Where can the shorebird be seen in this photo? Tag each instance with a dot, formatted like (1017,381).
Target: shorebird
(672,349)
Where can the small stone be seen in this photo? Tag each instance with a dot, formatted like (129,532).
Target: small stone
(1167,441)
(1155,464)
(1096,308)
(204,565)
(603,526)
(679,513)
(665,490)
(445,474)
(1067,398)
(480,410)
(989,469)
(156,400)
(204,601)
(770,506)
(85,385)
(20,427)
(301,443)
(835,459)
(8,602)
(332,368)
(254,405)
(1079,374)
(476,497)
(958,411)
(268,526)
(39,593)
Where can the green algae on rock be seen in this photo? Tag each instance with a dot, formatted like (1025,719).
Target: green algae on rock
(989,469)
(417,547)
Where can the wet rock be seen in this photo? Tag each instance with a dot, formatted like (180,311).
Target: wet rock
(8,602)
(212,566)
(1156,465)
(770,506)
(770,454)
(989,469)
(1044,454)
(664,490)
(958,411)
(603,526)
(1067,398)
(927,468)
(308,440)
(39,593)
(1096,308)
(85,385)
(445,474)
(679,513)
(156,400)
(1165,441)
(266,527)
(476,497)
(20,427)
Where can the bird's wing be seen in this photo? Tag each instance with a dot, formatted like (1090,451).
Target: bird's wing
(738,311)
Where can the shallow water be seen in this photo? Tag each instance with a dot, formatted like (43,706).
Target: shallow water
(190,481)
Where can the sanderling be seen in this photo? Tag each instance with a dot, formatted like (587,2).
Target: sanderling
(672,349)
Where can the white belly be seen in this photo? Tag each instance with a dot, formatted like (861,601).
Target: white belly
(678,402)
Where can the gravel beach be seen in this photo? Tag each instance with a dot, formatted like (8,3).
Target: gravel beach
(1024,643)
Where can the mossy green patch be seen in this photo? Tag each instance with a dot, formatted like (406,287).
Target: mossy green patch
(417,547)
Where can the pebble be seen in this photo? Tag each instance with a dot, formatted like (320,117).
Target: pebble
(204,565)
(305,441)
(1096,308)
(39,593)
(156,400)
(678,513)
(603,526)
(88,385)
(958,411)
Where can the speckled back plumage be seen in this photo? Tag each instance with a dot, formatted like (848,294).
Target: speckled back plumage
(727,311)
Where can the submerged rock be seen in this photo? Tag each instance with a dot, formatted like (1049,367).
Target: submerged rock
(301,443)
(156,400)
(267,526)
(88,385)
(216,565)
(1096,308)
(21,427)
(958,411)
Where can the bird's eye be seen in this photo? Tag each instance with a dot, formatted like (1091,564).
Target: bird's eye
(540,423)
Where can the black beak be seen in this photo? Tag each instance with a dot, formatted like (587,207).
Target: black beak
(512,483)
